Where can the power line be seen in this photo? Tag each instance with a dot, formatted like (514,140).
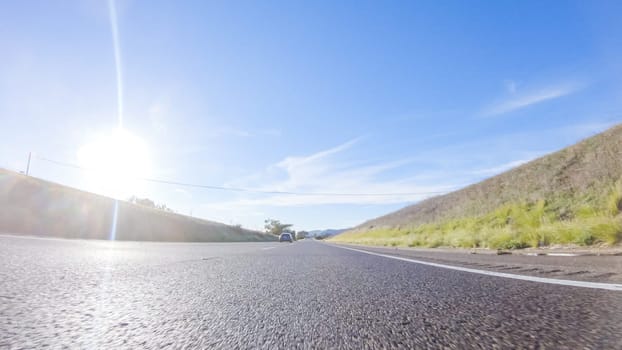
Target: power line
(247,190)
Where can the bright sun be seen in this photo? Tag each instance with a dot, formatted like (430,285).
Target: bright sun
(116,161)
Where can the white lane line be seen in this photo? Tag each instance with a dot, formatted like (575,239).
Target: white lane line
(593,285)
(267,248)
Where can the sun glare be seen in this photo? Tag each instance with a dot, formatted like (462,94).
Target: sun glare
(115,163)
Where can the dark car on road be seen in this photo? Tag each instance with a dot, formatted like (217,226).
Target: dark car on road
(286,237)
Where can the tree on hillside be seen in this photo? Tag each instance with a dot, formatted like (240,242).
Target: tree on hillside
(146,202)
(275,227)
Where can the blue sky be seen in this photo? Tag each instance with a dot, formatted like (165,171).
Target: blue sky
(405,98)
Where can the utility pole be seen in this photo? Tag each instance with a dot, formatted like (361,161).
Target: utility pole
(28,165)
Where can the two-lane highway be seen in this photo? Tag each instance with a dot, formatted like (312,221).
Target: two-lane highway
(96,294)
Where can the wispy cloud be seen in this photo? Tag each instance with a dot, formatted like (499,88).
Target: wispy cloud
(330,180)
(293,163)
(519,100)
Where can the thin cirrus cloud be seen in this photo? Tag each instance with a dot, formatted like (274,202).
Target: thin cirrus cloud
(327,179)
(519,101)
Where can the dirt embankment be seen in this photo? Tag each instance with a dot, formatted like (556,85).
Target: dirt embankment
(35,207)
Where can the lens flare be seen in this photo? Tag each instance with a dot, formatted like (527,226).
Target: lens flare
(117,60)
(113,225)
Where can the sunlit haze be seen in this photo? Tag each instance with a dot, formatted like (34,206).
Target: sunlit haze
(115,163)
(354,109)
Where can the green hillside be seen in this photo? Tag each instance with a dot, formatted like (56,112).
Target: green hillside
(573,196)
(35,207)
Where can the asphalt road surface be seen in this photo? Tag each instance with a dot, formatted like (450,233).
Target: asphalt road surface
(97,294)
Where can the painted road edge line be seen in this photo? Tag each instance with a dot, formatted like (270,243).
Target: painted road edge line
(593,285)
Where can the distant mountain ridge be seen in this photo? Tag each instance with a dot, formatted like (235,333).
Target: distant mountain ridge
(570,196)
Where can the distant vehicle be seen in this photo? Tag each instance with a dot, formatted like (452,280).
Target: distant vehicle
(286,237)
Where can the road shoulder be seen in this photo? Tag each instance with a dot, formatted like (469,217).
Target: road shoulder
(589,268)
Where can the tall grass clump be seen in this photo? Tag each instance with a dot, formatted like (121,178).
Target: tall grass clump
(614,199)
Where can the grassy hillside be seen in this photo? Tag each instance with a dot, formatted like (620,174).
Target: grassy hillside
(36,207)
(573,196)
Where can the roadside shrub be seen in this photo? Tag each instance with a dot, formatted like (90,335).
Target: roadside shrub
(565,233)
(514,244)
(415,243)
(544,236)
(585,212)
(532,237)
(585,238)
(606,231)
(498,240)
(462,239)
(614,199)
(435,242)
